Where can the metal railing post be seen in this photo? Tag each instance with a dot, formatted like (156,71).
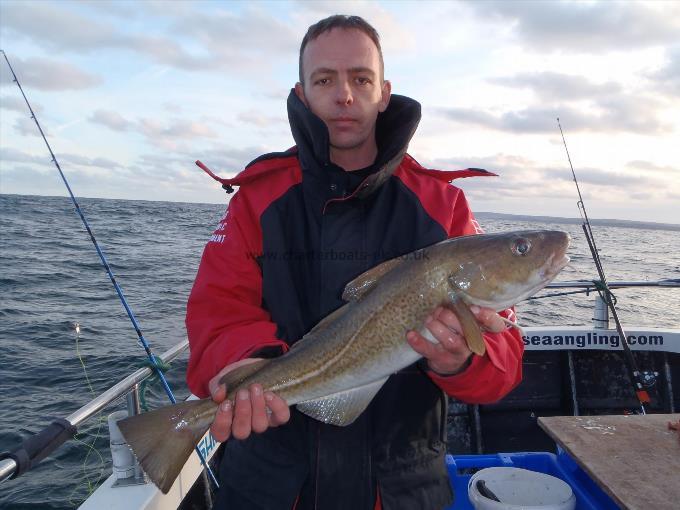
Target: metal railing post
(133,401)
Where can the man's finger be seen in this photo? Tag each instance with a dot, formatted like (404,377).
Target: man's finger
(259,421)
(242,423)
(221,426)
(280,412)
(421,345)
(446,335)
(218,391)
(448,317)
(488,318)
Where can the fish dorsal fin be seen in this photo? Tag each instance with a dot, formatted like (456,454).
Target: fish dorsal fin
(341,408)
(235,377)
(323,323)
(367,280)
(472,332)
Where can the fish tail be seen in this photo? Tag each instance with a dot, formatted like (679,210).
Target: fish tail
(164,438)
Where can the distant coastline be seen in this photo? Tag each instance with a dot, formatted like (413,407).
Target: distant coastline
(646,225)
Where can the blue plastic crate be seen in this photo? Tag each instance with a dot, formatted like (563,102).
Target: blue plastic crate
(588,495)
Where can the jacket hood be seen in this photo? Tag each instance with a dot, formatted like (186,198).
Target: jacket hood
(394,129)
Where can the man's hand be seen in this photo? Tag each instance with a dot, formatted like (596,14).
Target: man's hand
(450,355)
(252,411)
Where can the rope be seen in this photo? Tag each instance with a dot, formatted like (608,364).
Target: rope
(604,292)
(159,366)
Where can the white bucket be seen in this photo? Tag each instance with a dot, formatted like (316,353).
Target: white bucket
(520,489)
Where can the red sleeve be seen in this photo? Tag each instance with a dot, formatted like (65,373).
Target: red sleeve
(490,377)
(225,320)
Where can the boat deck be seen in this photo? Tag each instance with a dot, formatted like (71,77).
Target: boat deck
(634,459)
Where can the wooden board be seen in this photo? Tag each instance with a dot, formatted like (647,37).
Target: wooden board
(634,459)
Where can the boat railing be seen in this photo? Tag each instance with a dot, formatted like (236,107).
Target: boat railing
(601,310)
(39,445)
(594,284)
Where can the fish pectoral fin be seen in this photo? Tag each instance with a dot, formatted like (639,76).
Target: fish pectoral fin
(341,408)
(362,284)
(472,332)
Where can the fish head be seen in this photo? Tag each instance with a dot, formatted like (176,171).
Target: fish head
(499,270)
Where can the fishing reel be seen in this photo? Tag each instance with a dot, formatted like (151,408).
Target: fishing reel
(648,378)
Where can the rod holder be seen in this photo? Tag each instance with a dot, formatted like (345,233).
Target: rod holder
(126,469)
(600,313)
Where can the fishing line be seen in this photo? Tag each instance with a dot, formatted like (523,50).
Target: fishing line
(605,292)
(91,486)
(152,358)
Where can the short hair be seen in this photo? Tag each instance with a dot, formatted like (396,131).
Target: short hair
(346,23)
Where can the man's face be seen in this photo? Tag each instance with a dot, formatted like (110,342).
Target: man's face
(343,86)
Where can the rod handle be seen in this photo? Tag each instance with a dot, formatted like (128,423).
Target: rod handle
(38,446)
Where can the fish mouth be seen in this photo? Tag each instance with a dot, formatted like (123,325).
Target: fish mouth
(554,265)
(550,270)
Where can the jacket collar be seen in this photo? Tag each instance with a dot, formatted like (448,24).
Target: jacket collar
(394,129)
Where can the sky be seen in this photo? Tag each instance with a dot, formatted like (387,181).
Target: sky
(130,94)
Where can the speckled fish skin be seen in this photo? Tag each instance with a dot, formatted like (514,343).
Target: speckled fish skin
(334,371)
(368,342)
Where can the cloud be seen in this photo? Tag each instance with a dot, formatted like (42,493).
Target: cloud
(110,119)
(260,119)
(63,29)
(48,74)
(228,34)
(581,104)
(230,161)
(176,129)
(668,76)
(609,117)
(84,161)
(17,104)
(551,86)
(170,134)
(219,39)
(224,161)
(25,126)
(585,26)
(518,174)
(116,8)
(649,166)
(8,154)
(661,173)
(59,28)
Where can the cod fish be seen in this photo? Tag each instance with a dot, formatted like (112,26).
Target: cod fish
(335,370)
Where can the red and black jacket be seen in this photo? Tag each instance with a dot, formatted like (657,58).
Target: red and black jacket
(298,229)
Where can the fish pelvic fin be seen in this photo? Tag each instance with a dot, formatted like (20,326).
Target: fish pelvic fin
(163,439)
(341,408)
(472,332)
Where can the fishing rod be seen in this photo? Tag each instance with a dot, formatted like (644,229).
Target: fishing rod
(36,448)
(636,377)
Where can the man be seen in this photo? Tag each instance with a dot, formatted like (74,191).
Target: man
(303,224)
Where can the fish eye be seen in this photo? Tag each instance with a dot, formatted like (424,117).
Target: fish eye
(521,246)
